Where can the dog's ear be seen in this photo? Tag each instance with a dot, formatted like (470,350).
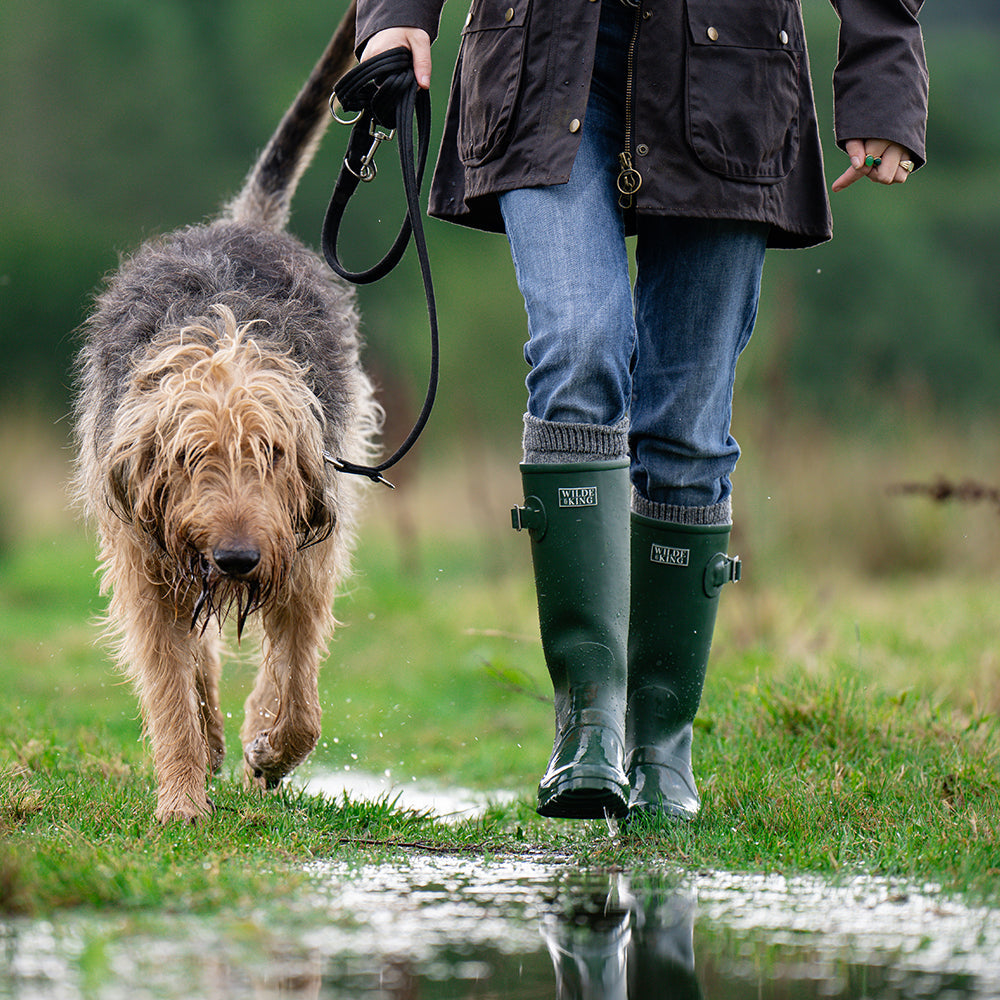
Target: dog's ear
(117,490)
(322,518)
(133,494)
(319,516)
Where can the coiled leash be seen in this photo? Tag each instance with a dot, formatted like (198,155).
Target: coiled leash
(386,96)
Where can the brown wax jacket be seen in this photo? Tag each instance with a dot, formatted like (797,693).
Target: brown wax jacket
(723,123)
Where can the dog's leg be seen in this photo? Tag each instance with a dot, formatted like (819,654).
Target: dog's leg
(282,723)
(207,676)
(162,659)
(168,691)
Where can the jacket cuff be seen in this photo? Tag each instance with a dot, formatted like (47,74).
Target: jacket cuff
(881,82)
(375,15)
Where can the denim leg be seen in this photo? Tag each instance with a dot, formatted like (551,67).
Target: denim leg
(693,312)
(572,266)
(568,247)
(696,295)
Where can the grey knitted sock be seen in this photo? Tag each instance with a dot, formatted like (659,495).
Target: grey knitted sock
(548,442)
(716,514)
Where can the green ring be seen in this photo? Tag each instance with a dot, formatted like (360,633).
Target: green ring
(869,160)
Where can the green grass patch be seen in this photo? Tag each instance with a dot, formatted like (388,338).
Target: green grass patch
(846,728)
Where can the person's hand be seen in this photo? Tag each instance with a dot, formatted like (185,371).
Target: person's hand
(415,39)
(877,159)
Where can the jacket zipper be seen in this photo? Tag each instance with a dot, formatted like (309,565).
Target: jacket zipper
(629,179)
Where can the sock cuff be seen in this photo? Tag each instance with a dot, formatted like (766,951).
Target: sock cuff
(549,442)
(717,514)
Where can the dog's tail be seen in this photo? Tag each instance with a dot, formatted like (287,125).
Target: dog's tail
(267,194)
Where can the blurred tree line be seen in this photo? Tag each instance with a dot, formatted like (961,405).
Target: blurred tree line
(121,120)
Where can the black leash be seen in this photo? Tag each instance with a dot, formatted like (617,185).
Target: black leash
(386,96)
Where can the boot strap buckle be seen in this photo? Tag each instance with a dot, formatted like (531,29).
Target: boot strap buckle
(531,518)
(721,569)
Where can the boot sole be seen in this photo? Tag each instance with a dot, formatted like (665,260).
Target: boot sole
(584,798)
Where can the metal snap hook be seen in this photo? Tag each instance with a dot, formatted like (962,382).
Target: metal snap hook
(379,134)
(367,170)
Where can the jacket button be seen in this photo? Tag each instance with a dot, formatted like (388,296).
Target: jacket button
(642,149)
(713,34)
(574,125)
(509,14)
(783,37)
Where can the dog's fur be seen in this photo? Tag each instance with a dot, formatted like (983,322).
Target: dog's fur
(219,365)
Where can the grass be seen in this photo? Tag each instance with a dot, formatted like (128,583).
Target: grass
(849,724)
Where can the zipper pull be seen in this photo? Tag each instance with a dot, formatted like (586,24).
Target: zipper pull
(629,180)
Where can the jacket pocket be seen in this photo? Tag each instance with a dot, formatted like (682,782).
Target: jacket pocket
(490,69)
(744,63)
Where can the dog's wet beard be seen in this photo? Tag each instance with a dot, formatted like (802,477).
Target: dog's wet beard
(220,596)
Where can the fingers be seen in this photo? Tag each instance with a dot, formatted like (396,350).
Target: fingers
(855,149)
(903,168)
(415,39)
(889,170)
(879,160)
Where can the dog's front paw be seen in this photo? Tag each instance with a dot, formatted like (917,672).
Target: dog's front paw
(185,808)
(263,766)
(274,753)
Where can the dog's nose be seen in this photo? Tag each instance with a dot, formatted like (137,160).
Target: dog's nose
(235,561)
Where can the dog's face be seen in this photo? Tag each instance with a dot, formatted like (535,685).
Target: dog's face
(218,461)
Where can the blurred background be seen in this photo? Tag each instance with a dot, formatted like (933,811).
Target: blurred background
(875,361)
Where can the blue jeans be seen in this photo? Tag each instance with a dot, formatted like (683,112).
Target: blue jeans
(663,357)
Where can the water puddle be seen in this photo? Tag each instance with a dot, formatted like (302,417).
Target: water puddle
(444,927)
(447,804)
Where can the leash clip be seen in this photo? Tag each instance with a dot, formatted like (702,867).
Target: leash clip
(366,169)
(375,475)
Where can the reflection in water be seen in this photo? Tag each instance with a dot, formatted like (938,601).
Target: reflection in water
(436,928)
(662,956)
(588,945)
(783,938)
(629,947)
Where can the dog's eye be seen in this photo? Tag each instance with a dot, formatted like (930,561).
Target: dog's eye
(275,455)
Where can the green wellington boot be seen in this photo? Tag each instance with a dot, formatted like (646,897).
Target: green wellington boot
(677,573)
(577,517)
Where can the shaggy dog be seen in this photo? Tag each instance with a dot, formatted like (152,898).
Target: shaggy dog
(219,375)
